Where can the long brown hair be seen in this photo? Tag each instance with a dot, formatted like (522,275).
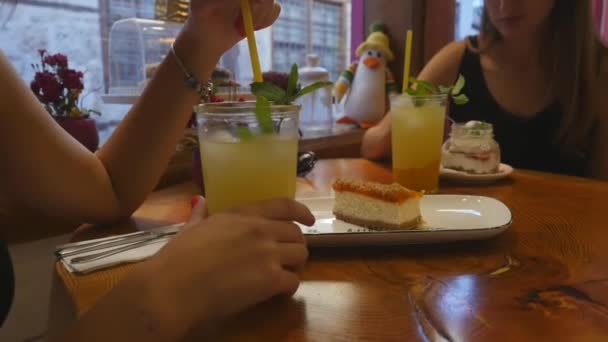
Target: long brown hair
(574,58)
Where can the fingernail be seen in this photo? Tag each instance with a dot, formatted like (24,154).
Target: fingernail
(194,201)
(240,26)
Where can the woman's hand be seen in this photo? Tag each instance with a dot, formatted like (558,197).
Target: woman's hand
(219,22)
(221,265)
(213,268)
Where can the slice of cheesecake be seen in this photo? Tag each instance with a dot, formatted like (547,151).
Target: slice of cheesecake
(376,206)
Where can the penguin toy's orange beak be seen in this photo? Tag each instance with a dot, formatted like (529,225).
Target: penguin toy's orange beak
(372,62)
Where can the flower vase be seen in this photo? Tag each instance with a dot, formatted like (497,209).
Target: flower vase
(84,130)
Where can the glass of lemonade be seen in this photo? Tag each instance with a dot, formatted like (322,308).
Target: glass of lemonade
(240,163)
(417,135)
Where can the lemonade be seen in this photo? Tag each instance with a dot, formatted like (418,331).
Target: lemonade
(259,168)
(417,136)
(243,163)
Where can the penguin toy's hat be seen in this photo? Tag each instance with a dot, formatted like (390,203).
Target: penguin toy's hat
(377,40)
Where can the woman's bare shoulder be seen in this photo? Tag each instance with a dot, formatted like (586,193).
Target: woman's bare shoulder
(4,62)
(443,67)
(8,75)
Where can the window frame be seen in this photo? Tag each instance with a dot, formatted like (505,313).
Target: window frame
(346,29)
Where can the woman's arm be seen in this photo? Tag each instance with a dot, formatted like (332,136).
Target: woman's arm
(168,296)
(376,142)
(44,168)
(442,69)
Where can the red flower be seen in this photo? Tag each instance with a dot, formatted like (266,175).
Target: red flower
(52,93)
(58,87)
(35,87)
(50,60)
(49,88)
(43,78)
(61,60)
(72,79)
(57,60)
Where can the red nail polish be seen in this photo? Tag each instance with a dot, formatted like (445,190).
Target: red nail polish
(194,201)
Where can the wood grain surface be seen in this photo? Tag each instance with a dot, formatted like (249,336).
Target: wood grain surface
(544,279)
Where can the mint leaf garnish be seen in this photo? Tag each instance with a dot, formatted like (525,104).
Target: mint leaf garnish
(281,96)
(423,88)
(461,99)
(458,86)
(310,89)
(244,133)
(270,91)
(264,115)
(444,89)
(292,82)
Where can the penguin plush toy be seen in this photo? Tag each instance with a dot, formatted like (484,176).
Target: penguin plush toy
(366,85)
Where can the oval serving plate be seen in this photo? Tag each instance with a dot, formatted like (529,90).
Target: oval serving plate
(446,218)
(504,171)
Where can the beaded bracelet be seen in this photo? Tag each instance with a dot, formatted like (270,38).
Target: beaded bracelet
(190,80)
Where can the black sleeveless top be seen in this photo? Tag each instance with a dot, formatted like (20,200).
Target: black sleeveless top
(525,143)
(7,282)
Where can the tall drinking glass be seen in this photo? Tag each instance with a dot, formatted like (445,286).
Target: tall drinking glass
(240,163)
(417,135)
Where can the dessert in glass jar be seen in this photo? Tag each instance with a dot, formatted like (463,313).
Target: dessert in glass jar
(471,148)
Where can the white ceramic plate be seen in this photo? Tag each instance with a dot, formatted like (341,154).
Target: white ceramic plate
(447,218)
(504,171)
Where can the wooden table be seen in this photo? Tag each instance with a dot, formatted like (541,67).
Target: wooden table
(544,279)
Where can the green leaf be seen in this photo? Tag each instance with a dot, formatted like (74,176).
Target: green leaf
(459,85)
(244,133)
(309,89)
(292,81)
(423,88)
(264,115)
(460,99)
(411,91)
(268,90)
(445,90)
(427,87)
(421,91)
(419,101)
(417,92)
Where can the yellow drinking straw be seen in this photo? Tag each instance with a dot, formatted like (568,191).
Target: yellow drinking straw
(408,60)
(253,47)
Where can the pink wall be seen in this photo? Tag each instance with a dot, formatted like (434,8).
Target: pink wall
(358,26)
(600,8)
(604,20)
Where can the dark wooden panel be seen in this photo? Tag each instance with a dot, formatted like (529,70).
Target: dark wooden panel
(400,16)
(440,23)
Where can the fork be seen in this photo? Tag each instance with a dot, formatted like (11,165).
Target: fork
(105,254)
(83,247)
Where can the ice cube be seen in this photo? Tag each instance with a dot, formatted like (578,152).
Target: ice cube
(221,136)
(401,101)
